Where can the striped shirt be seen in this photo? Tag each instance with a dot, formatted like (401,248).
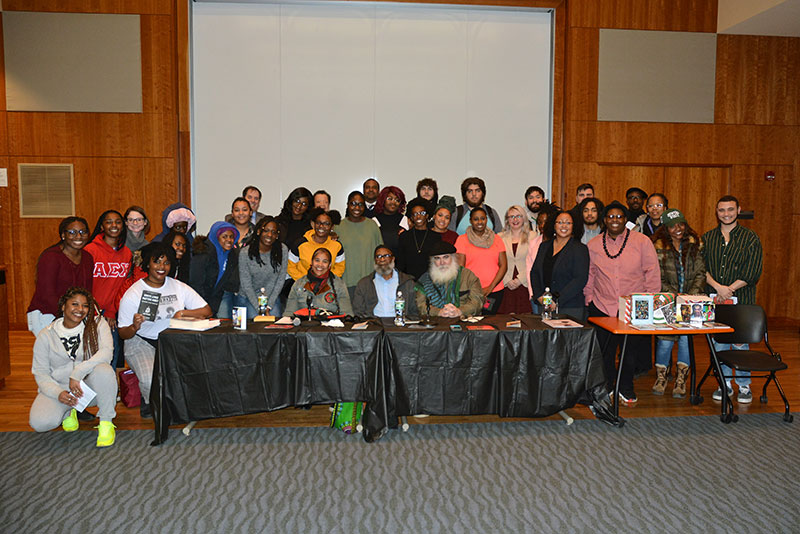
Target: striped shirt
(739,259)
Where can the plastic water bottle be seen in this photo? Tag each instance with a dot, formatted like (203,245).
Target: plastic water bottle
(399,309)
(263,301)
(547,304)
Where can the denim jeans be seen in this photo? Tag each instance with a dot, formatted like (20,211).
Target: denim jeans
(742,378)
(226,305)
(664,351)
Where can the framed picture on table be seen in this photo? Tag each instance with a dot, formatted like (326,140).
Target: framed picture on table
(641,309)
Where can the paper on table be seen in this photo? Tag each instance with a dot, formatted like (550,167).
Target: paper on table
(284,320)
(86,398)
(562,323)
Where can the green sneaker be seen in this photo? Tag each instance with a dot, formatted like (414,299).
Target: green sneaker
(70,423)
(105,434)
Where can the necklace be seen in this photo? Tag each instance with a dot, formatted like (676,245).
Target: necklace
(605,248)
(417,244)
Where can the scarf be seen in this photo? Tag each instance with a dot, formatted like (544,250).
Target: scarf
(441,295)
(135,242)
(317,285)
(483,241)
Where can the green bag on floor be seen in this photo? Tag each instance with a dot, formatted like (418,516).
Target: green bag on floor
(346,416)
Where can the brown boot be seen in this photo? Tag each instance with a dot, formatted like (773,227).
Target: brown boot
(680,381)
(661,380)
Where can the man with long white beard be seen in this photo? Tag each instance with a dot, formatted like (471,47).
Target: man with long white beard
(452,290)
(376,293)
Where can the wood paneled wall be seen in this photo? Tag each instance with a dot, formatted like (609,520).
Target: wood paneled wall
(756,129)
(119,159)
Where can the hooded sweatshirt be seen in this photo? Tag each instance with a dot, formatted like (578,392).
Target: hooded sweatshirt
(110,269)
(214,270)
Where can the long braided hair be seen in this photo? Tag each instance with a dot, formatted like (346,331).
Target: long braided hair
(276,252)
(91,341)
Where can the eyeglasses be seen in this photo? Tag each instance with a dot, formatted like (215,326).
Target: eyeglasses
(422,213)
(323,223)
(354,204)
(613,216)
(135,220)
(382,256)
(514,217)
(659,205)
(300,202)
(73,233)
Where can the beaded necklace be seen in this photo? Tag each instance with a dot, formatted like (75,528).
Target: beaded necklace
(617,255)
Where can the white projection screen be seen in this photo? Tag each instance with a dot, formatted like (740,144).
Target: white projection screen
(325,95)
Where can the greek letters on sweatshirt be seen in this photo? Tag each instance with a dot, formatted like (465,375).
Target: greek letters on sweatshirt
(110,269)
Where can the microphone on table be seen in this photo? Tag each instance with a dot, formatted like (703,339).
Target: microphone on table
(309,299)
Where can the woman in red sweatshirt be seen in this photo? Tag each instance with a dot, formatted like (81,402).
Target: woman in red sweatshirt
(112,261)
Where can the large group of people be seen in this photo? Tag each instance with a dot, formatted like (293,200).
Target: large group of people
(445,260)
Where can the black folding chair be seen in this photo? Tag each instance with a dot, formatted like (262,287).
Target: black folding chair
(750,326)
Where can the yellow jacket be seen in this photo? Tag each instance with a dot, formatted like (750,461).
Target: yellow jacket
(300,255)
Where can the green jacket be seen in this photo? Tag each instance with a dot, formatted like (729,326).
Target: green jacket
(693,264)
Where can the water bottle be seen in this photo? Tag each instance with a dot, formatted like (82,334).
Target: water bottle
(263,301)
(547,304)
(399,309)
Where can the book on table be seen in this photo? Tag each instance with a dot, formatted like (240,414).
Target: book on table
(191,323)
(562,323)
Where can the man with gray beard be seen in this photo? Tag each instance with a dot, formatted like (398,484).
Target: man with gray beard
(452,290)
(375,293)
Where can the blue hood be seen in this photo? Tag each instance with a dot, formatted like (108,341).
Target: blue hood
(222,255)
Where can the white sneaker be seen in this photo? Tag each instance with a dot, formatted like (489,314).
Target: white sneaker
(745,396)
(717,396)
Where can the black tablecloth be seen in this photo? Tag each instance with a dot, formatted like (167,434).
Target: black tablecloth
(533,371)
(224,372)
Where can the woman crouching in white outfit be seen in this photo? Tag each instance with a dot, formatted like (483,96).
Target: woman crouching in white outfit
(75,347)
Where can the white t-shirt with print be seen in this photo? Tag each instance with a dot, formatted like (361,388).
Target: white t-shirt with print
(174,296)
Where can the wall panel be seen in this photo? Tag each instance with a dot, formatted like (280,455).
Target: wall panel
(673,15)
(91,134)
(758,80)
(772,203)
(581,95)
(163,7)
(681,144)
(694,190)
(158,69)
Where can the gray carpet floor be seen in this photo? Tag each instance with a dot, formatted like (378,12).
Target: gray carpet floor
(679,474)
